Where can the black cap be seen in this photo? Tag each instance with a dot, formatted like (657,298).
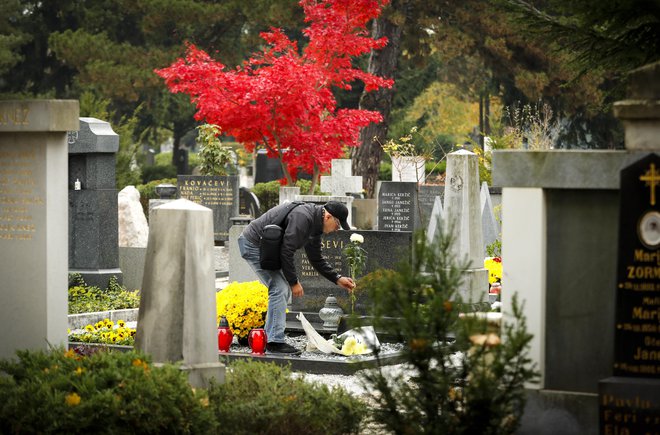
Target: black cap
(338,210)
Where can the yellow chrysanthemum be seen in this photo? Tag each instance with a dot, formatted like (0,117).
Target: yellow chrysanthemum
(244,305)
(72,399)
(494,267)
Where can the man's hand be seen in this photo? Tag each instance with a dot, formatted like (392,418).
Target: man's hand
(297,289)
(346,282)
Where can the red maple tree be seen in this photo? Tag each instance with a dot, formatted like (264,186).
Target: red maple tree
(281,98)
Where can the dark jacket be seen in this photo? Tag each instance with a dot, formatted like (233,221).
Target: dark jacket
(304,228)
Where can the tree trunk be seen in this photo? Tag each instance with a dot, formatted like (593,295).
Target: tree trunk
(179,155)
(366,158)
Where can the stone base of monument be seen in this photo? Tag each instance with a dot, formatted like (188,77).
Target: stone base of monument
(201,375)
(99,277)
(629,405)
(318,363)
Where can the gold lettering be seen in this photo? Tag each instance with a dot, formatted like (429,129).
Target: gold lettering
(642,314)
(646,355)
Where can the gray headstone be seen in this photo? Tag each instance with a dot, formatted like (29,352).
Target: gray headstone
(435,220)
(397,206)
(220,194)
(463,222)
(33,223)
(176,321)
(93,212)
(342,181)
(489,225)
(385,249)
(426,197)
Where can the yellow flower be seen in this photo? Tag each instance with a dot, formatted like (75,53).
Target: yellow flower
(72,399)
(70,353)
(79,371)
(89,328)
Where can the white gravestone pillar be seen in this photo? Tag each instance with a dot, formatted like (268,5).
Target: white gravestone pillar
(177,317)
(463,221)
(34,222)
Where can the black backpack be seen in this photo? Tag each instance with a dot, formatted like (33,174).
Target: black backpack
(271,241)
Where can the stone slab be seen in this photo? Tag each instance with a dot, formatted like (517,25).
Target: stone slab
(39,115)
(344,366)
(558,169)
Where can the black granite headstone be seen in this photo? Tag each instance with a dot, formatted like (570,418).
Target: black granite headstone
(385,249)
(637,333)
(220,194)
(397,206)
(266,169)
(629,402)
(248,203)
(93,215)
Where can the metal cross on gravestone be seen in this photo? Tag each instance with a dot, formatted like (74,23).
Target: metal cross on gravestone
(341,182)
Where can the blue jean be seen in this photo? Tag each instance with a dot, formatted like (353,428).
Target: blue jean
(278,291)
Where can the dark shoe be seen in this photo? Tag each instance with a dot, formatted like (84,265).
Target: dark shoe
(282,348)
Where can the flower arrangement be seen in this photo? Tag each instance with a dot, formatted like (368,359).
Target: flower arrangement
(494,267)
(244,305)
(356,257)
(107,332)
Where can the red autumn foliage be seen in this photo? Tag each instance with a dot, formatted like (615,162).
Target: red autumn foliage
(281,98)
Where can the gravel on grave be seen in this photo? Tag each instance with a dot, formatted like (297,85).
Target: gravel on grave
(352,384)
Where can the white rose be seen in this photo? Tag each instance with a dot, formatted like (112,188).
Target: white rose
(355,237)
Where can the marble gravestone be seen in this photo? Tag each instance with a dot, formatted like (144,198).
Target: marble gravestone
(93,215)
(33,222)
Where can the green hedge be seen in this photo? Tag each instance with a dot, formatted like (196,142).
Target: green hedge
(269,193)
(114,392)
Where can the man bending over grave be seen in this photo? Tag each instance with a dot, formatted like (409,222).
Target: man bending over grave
(268,245)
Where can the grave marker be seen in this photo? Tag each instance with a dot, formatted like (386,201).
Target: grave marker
(385,249)
(220,194)
(93,208)
(342,181)
(426,196)
(397,206)
(463,221)
(635,388)
(490,226)
(177,318)
(33,222)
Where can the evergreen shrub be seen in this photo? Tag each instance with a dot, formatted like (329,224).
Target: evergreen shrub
(264,398)
(466,379)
